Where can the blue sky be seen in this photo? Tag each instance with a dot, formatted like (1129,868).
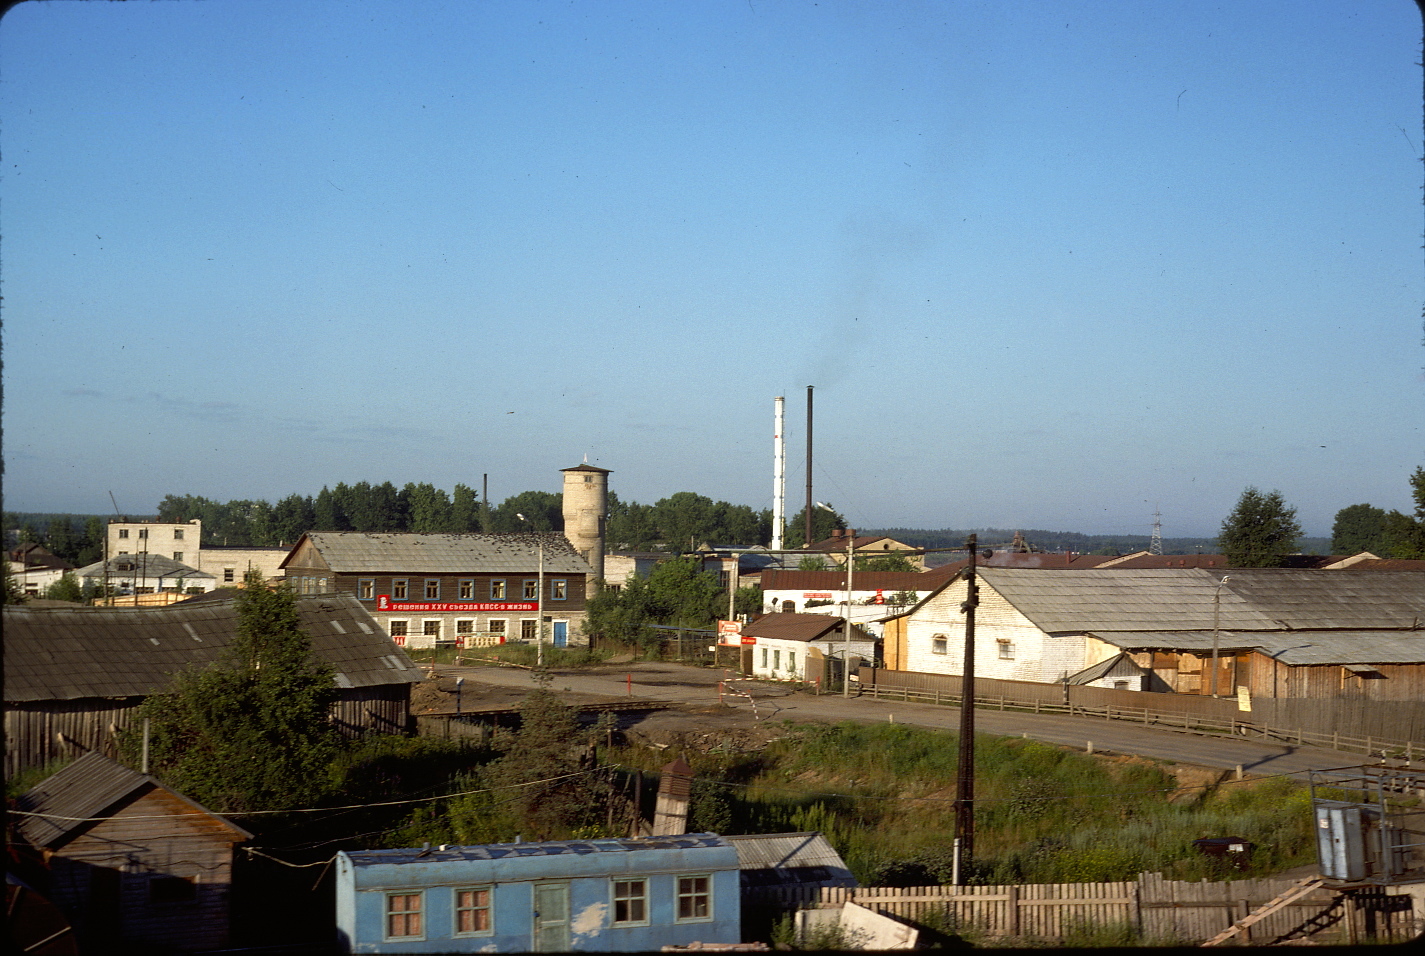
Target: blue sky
(1047,264)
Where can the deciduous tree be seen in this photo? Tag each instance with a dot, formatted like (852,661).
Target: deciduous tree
(1359,528)
(1260,532)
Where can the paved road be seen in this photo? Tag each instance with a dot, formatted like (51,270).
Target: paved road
(700,685)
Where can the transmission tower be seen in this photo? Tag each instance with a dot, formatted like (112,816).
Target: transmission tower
(1155,545)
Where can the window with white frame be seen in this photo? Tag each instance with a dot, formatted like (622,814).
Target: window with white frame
(431,629)
(473,913)
(464,627)
(939,644)
(630,902)
(398,630)
(403,915)
(498,625)
(558,590)
(694,898)
(1006,649)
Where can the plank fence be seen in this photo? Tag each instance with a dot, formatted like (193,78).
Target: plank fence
(1151,907)
(1179,712)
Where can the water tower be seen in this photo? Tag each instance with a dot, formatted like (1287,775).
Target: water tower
(586,509)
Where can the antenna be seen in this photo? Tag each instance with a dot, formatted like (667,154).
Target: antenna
(1155,545)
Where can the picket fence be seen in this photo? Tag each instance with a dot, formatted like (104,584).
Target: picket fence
(1151,907)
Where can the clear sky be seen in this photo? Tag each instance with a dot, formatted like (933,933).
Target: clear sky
(1049,263)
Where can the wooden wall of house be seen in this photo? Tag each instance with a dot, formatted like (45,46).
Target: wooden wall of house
(382,710)
(108,878)
(40,733)
(1271,678)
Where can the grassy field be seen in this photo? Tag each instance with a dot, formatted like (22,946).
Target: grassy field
(884,796)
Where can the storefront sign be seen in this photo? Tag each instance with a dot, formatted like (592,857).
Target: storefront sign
(384,603)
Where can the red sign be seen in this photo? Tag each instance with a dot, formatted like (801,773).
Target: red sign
(748,639)
(816,594)
(384,603)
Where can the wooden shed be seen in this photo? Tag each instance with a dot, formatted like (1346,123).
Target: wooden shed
(74,675)
(134,865)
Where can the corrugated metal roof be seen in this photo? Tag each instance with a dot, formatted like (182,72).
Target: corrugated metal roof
(503,851)
(790,858)
(77,652)
(357,552)
(1108,600)
(1289,647)
(87,788)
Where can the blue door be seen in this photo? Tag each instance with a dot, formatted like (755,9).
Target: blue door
(561,633)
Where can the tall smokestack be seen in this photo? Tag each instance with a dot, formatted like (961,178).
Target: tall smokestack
(779,474)
(810,503)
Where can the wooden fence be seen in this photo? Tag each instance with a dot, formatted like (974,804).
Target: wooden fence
(1182,712)
(1153,908)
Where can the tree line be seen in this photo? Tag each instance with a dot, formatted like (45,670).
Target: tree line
(1386,534)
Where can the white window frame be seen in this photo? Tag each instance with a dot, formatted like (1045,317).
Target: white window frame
(497,589)
(1006,648)
(503,629)
(940,644)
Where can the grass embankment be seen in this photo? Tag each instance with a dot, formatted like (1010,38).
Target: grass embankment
(883,794)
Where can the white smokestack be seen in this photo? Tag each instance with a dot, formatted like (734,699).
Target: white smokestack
(779,475)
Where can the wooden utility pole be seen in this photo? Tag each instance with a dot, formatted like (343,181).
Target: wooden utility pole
(965,770)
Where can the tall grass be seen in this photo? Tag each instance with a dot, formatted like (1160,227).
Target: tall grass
(883,794)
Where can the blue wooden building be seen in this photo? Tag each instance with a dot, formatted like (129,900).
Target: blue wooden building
(615,895)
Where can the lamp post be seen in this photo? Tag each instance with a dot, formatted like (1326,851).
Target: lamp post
(1216,618)
(538,601)
(846,625)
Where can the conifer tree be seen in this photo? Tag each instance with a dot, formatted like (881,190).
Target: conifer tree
(252,731)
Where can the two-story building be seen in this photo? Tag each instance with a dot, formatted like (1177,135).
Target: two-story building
(433,590)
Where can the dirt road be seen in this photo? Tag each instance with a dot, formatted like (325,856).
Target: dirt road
(715,707)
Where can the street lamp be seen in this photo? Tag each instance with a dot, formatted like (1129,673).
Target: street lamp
(538,601)
(846,629)
(1216,617)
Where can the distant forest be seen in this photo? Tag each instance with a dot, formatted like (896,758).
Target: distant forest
(681,521)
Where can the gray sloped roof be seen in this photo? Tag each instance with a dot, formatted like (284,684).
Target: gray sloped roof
(358,552)
(1108,600)
(89,787)
(147,564)
(1119,665)
(1289,647)
(77,652)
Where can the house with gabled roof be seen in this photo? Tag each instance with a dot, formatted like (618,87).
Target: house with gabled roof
(74,675)
(146,574)
(790,646)
(434,590)
(1270,628)
(132,863)
(34,567)
(835,547)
